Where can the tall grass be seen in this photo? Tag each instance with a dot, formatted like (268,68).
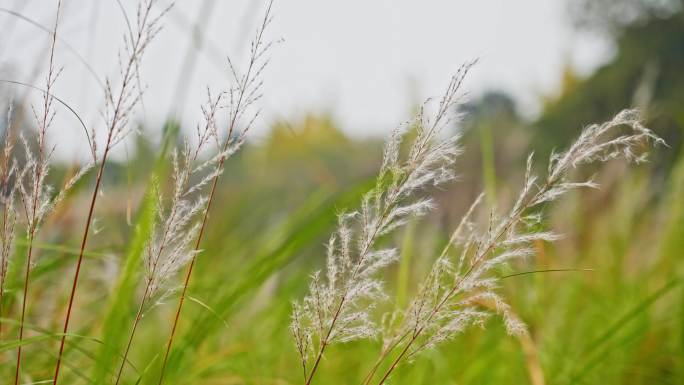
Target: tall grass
(119,104)
(459,290)
(337,311)
(33,191)
(243,95)
(249,236)
(9,213)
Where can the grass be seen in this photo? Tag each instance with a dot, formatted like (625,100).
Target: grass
(604,304)
(607,323)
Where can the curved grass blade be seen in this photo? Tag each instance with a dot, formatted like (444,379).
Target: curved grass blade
(597,348)
(309,223)
(119,307)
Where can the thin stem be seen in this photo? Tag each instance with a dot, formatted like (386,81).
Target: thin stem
(118,111)
(394,198)
(138,316)
(236,112)
(86,231)
(543,271)
(189,272)
(32,233)
(478,259)
(23,309)
(343,299)
(38,176)
(319,356)
(8,208)
(214,183)
(396,361)
(382,357)
(148,287)
(416,334)
(362,256)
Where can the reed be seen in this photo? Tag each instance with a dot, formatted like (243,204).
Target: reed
(338,309)
(458,285)
(460,289)
(35,197)
(9,211)
(245,92)
(120,104)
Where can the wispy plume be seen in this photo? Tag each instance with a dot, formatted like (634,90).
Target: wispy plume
(124,96)
(121,100)
(37,198)
(240,102)
(8,202)
(462,286)
(177,223)
(337,308)
(170,247)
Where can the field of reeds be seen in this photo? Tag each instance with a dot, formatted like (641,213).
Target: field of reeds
(458,249)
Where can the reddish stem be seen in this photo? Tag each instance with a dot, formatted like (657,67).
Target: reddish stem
(7,210)
(231,127)
(118,111)
(148,287)
(23,309)
(479,258)
(138,316)
(38,175)
(84,241)
(189,273)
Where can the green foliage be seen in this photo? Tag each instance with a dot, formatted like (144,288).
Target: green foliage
(615,316)
(645,73)
(620,323)
(120,307)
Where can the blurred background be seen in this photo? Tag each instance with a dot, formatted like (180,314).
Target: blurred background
(365,64)
(342,76)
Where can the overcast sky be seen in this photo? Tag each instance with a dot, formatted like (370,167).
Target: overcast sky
(364,61)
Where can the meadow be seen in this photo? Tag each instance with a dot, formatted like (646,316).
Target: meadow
(584,284)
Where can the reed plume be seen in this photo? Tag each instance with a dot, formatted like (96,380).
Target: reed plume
(170,246)
(337,308)
(241,98)
(34,193)
(463,279)
(120,104)
(8,201)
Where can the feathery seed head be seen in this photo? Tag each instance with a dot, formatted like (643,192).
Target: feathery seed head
(339,308)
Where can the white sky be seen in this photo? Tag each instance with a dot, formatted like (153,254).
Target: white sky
(365,61)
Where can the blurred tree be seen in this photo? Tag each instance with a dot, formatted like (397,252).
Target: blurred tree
(493,108)
(491,105)
(314,152)
(492,125)
(646,72)
(613,15)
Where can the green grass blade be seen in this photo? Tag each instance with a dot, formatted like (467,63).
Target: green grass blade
(120,307)
(311,222)
(596,349)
